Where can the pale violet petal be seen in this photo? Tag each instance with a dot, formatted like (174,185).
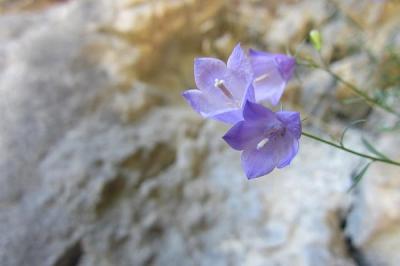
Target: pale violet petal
(286,148)
(254,111)
(244,135)
(286,65)
(239,62)
(292,122)
(206,71)
(249,95)
(228,116)
(203,103)
(269,86)
(271,73)
(258,162)
(239,75)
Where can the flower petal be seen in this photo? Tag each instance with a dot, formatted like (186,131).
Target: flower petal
(286,149)
(270,90)
(292,122)
(208,107)
(253,111)
(240,74)
(286,65)
(229,116)
(244,135)
(253,53)
(271,74)
(202,103)
(240,63)
(237,57)
(206,71)
(278,152)
(260,162)
(259,58)
(249,95)
(198,101)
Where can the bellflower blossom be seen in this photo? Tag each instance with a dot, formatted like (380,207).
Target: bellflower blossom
(222,88)
(266,139)
(271,74)
(230,92)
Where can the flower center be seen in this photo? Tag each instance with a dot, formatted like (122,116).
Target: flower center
(262,77)
(262,143)
(219,83)
(276,131)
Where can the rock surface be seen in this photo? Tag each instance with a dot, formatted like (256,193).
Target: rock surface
(102,163)
(373,222)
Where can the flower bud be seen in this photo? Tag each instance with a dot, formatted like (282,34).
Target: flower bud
(316,40)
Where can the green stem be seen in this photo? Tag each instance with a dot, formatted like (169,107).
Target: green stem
(352,87)
(362,94)
(343,148)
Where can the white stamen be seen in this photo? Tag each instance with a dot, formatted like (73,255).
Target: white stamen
(218,83)
(262,143)
(262,77)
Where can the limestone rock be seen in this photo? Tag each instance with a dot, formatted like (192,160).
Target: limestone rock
(102,163)
(373,222)
(367,14)
(317,91)
(150,25)
(46,84)
(293,23)
(340,39)
(178,198)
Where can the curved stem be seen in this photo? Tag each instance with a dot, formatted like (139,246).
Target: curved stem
(343,148)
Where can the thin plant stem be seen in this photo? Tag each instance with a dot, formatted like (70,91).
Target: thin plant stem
(362,94)
(343,148)
(371,101)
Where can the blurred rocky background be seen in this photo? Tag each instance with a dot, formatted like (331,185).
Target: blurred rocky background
(102,163)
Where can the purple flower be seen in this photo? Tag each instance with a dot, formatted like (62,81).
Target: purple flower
(222,88)
(271,74)
(267,139)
